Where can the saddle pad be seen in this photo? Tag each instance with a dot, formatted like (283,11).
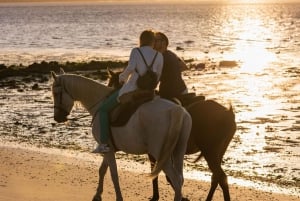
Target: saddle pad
(187,99)
(120,115)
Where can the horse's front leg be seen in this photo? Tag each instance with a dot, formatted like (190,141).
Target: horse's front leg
(102,172)
(111,159)
(108,161)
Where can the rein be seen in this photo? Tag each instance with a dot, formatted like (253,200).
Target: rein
(77,118)
(83,116)
(80,117)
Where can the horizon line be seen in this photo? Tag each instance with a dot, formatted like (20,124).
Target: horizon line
(155,1)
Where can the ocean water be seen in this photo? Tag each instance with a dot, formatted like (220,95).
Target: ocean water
(264,40)
(66,31)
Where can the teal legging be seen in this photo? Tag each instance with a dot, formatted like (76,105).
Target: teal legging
(107,105)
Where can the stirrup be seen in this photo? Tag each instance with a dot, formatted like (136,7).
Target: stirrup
(102,148)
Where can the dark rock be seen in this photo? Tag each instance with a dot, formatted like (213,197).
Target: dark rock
(179,48)
(35,87)
(27,79)
(228,63)
(200,66)
(2,67)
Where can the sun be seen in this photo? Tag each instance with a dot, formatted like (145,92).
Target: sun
(249,1)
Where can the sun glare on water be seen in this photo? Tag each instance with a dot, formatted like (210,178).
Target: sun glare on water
(250,1)
(251,48)
(253,58)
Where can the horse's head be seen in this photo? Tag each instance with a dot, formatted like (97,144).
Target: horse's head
(114,79)
(63,102)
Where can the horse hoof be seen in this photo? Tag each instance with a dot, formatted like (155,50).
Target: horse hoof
(153,199)
(96,198)
(185,199)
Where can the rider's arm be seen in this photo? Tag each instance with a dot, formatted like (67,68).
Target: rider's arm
(123,77)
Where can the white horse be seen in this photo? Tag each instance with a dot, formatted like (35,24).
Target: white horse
(159,128)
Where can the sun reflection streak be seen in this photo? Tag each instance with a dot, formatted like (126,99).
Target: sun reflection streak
(251,44)
(253,58)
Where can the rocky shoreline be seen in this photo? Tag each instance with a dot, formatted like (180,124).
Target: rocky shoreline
(45,67)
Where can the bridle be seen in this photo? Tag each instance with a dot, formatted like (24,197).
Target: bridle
(58,93)
(58,90)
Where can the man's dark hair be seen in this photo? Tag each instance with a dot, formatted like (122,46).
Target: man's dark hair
(163,37)
(146,38)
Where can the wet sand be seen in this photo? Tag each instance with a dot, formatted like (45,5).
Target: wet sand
(39,175)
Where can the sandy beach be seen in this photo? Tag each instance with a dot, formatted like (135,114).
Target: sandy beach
(32,174)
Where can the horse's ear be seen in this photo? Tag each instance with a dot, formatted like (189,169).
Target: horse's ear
(110,72)
(53,75)
(61,71)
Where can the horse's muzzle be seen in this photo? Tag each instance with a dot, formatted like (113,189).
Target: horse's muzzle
(61,116)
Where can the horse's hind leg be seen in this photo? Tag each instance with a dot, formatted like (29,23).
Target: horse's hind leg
(214,162)
(213,186)
(176,179)
(177,160)
(224,185)
(155,195)
(218,177)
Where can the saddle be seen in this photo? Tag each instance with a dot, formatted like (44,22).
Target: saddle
(120,115)
(187,99)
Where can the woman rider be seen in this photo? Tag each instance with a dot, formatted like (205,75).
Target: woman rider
(136,66)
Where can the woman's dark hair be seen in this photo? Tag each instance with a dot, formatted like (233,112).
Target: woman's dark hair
(146,38)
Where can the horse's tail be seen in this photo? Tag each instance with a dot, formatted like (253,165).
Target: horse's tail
(174,130)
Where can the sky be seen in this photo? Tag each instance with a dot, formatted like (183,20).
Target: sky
(182,1)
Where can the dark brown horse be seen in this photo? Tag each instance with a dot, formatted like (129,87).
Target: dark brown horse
(212,130)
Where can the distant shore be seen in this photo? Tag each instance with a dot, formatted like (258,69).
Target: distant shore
(57,1)
(35,174)
(136,1)
(45,67)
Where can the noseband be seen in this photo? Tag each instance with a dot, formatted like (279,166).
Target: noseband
(58,91)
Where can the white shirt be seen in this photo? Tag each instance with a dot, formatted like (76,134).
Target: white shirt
(129,76)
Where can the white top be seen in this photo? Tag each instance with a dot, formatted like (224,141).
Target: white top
(129,76)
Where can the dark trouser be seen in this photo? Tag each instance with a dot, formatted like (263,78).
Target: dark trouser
(110,103)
